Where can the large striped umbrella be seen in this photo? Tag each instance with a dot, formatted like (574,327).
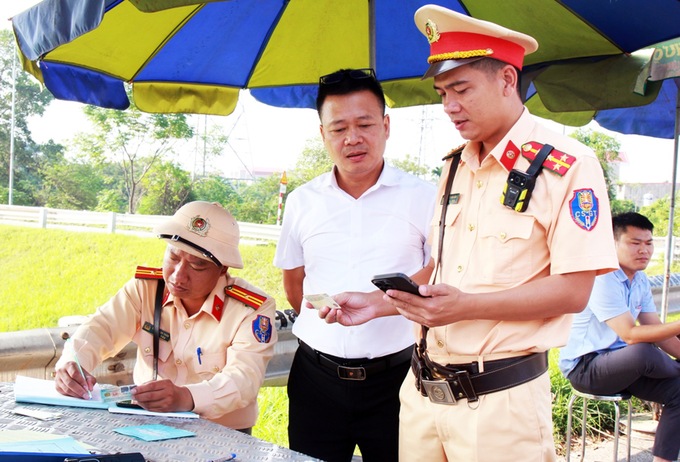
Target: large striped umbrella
(189,56)
(632,94)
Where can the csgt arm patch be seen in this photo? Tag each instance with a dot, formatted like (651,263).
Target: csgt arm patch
(262,329)
(585,208)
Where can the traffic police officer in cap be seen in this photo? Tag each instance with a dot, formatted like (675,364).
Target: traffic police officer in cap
(522,227)
(204,337)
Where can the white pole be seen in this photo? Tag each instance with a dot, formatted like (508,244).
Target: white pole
(668,258)
(282,191)
(11,133)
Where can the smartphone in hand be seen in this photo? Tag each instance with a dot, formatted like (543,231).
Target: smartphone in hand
(396,281)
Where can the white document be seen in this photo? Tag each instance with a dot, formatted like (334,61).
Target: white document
(129,410)
(41,391)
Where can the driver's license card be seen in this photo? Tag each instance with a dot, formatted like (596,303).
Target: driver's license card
(114,394)
(321,300)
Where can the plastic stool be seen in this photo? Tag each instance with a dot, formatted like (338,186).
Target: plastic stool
(616,399)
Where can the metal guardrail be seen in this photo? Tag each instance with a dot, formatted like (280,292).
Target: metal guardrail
(34,353)
(110,222)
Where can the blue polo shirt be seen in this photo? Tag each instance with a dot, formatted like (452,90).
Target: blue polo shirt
(613,294)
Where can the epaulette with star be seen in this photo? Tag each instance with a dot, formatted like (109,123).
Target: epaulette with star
(557,161)
(454,151)
(145,272)
(250,298)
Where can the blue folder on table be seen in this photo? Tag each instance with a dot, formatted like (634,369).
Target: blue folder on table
(35,457)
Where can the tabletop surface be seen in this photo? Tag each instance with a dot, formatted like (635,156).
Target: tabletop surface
(95,427)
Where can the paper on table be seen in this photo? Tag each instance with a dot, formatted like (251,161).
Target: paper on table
(129,410)
(39,442)
(155,432)
(41,391)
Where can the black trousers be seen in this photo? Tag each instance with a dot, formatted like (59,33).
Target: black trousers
(329,416)
(644,371)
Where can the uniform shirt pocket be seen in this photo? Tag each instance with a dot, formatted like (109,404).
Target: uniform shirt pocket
(451,216)
(506,250)
(146,346)
(210,364)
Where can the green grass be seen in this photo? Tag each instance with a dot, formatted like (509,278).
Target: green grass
(48,273)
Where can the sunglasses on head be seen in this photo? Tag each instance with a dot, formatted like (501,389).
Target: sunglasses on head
(353,74)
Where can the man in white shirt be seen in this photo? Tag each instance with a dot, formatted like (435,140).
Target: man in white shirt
(361,219)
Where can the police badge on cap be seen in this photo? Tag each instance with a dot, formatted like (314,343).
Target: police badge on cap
(199,225)
(206,230)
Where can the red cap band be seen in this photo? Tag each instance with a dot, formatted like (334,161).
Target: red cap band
(461,45)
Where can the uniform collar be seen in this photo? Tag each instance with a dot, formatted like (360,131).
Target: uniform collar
(507,151)
(213,304)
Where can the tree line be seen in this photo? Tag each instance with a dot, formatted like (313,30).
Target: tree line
(131,161)
(128,163)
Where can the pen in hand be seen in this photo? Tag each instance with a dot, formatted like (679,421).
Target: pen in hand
(75,356)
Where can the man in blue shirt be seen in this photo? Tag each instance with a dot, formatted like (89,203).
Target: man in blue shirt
(608,352)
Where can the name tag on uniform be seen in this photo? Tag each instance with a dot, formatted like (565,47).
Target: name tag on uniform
(163,335)
(452,199)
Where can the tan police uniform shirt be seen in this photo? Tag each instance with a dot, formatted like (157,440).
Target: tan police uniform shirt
(236,343)
(489,247)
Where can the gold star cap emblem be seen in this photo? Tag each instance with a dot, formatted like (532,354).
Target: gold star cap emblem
(431,31)
(199,225)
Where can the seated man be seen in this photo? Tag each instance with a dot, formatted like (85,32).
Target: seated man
(216,333)
(609,353)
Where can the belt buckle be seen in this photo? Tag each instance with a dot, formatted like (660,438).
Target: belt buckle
(351,373)
(439,391)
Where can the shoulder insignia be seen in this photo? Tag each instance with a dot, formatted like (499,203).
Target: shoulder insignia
(248,297)
(144,272)
(557,162)
(454,151)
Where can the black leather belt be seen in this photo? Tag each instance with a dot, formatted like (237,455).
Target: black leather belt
(447,384)
(356,369)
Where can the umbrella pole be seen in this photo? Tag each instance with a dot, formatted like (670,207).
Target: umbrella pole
(668,258)
(371,36)
(10,199)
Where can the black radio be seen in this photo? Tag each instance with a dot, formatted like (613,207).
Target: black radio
(517,191)
(518,187)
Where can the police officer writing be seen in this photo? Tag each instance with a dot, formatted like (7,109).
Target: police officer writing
(204,337)
(512,259)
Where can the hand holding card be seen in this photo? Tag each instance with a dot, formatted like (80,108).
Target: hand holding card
(321,300)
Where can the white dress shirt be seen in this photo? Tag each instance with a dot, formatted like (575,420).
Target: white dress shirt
(343,242)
